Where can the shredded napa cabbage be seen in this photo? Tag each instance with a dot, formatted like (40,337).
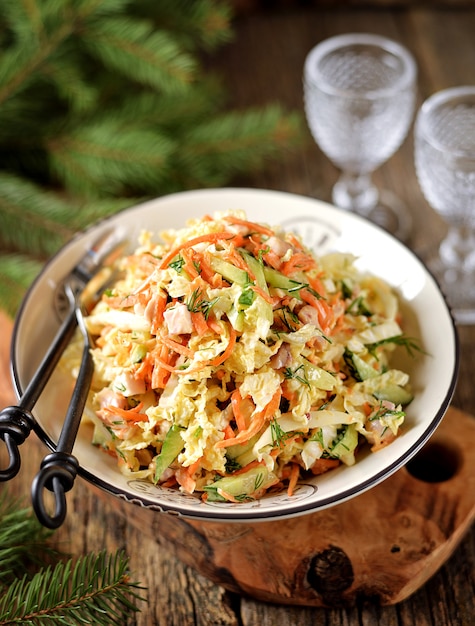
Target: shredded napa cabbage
(230,360)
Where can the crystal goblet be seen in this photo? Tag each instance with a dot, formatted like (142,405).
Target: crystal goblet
(445,166)
(359,96)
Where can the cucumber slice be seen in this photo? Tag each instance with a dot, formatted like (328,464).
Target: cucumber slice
(319,377)
(242,486)
(360,369)
(171,448)
(256,268)
(243,453)
(394,393)
(236,317)
(229,271)
(345,448)
(275,279)
(100,436)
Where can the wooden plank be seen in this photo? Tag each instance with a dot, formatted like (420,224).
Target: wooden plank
(381,546)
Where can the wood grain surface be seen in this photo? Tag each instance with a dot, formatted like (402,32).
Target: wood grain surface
(264,64)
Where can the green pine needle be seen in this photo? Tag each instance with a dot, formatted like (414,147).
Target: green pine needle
(95,590)
(234,143)
(17,273)
(110,157)
(31,218)
(135,49)
(201,23)
(23,541)
(106,102)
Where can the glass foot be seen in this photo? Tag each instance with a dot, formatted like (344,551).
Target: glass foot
(391,214)
(459,289)
(381,207)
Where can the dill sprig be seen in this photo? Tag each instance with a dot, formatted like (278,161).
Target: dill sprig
(409,343)
(290,373)
(196,303)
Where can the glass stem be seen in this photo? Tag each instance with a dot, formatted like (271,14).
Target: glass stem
(355,192)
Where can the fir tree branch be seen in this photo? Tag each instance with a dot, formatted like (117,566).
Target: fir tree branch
(95,590)
(236,142)
(171,112)
(104,101)
(19,63)
(198,23)
(17,272)
(40,30)
(45,217)
(23,541)
(141,53)
(107,158)
(48,220)
(67,76)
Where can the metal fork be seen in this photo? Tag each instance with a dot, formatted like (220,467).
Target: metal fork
(59,469)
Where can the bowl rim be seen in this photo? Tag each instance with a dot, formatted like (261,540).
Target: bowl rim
(213,513)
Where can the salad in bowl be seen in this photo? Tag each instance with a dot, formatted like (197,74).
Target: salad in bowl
(249,368)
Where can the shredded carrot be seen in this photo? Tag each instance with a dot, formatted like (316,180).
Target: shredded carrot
(121,302)
(130,415)
(324,311)
(294,241)
(253,227)
(229,432)
(207,272)
(158,310)
(189,266)
(317,285)
(324,465)
(257,422)
(161,374)
(244,436)
(229,348)
(227,496)
(191,469)
(239,406)
(177,347)
(144,370)
(294,476)
(209,238)
(185,480)
(251,465)
(214,326)
(273,259)
(233,256)
(287,393)
(263,294)
(298,262)
(367,409)
(170,368)
(199,323)
(169,483)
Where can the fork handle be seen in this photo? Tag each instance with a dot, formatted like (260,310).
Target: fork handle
(16,424)
(58,470)
(57,473)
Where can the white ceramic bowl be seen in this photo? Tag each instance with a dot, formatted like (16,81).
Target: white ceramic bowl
(324,228)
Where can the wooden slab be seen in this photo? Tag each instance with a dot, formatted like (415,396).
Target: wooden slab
(382,545)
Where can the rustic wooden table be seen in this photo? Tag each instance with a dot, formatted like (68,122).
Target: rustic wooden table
(263,64)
